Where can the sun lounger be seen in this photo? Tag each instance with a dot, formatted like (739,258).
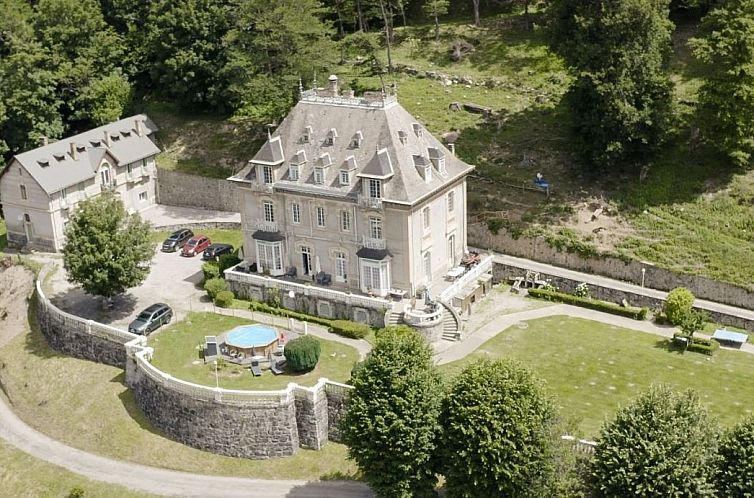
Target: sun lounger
(277,367)
(255,368)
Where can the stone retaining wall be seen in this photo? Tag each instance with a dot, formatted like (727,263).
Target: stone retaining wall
(538,249)
(502,272)
(181,189)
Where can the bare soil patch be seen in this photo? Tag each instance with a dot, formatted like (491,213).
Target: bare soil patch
(16,284)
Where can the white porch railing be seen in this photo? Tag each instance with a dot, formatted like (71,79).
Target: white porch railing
(307,290)
(369,202)
(371,243)
(470,276)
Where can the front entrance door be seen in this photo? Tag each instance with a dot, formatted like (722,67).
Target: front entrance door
(306,259)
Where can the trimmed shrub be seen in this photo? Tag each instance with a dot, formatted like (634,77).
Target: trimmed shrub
(594,304)
(214,286)
(346,328)
(695,344)
(735,465)
(226,261)
(224,299)
(678,305)
(302,353)
(210,271)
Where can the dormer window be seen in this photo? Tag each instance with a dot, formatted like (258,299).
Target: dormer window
(325,160)
(424,167)
(417,129)
(345,178)
(331,136)
(267,176)
(356,140)
(59,157)
(319,176)
(307,136)
(402,136)
(374,188)
(293,172)
(438,159)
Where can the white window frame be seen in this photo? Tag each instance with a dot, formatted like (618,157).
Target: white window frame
(345,220)
(345,178)
(24,193)
(296,213)
(451,202)
(105,176)
(426,218)
(374,188)
(451,250)
(320,216)
(319,176)
(375,276)
(341,266)
(145,196)
(293,172)
(375,227)
(270,257)
(268,209)
(267,176)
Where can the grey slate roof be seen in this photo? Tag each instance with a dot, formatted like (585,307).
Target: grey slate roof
(379,125)
(270,153)
(54,169)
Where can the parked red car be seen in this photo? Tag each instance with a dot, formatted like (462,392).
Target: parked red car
(195,245)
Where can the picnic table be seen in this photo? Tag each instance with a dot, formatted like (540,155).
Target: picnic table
(736,338)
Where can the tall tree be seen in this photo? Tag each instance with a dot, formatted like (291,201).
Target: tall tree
(435,9)
(106,250)
(735,467)
(497,435)
(726,99)
(477,19)
(271,46)
(185,49)
(618,52)
(83,49)
(662,444)
(15,27)
(391,423)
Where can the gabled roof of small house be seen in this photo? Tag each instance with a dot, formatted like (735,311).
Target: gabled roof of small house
(381,153)
(53,167)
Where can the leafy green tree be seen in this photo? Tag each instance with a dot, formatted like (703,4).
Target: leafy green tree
(185,51)
(618,52)
(106,249)
(496,432)
(435,9)
(273,43)
(106,98)
(662,444)
(392,420)
(15,27)
(735,467)
(302,353)
(726,99)
(694,321)
(678,305)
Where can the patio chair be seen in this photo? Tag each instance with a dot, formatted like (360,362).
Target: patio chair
(277,366)
(255,368)
(290,272)
(323,278)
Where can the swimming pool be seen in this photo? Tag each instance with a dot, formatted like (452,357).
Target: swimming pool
(251,336)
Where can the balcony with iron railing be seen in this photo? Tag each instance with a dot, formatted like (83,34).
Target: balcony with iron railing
(369,202)
(371,243)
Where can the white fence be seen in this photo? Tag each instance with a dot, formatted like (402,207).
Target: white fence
(471,276)
(307,290)
(580,445)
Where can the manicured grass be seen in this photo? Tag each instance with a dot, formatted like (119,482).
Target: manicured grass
(220,236)
(88,406)
(175,353)
(594,368)
(24,476)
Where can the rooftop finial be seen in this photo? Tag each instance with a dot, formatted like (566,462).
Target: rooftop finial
(315,81)
(300,86)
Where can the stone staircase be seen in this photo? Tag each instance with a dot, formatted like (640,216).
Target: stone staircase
(451,324)
(394,318)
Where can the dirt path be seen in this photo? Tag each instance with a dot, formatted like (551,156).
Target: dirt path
(16,284)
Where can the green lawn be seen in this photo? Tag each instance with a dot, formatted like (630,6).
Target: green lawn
(175,353)
(218,235)
(24,476)
(594,368)
(88,406)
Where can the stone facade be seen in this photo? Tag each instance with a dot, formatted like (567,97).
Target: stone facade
(180,189)
(538,249)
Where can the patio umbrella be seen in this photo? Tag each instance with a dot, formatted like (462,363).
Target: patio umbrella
(317,267)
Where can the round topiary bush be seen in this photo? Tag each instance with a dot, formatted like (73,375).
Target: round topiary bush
(302,353)
(678,305)
(224,299)
(210,271)
(214,286)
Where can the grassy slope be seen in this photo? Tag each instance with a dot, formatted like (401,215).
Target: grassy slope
(176,353)
(24,476)
(594,368)
(220,236)
(88,406)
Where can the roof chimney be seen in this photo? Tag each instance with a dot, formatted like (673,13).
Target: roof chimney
(74,152)
(108,141)
(139,127)
(452,148)
(333,80)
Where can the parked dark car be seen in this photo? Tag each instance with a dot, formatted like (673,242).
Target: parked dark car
(217,250)
(151,319)
(176,240)
(195,245)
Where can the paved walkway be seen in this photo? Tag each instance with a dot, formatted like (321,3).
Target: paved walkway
(616,284)
(161,215)
(161,481)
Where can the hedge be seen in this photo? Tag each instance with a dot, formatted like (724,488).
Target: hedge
(302,353)
(698,344)
(210,271)
(616,309)
(224,299)
(346,328)
(214,286)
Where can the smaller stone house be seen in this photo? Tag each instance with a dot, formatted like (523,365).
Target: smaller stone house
(40,187)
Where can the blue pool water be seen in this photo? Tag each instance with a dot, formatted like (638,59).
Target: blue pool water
(250,336)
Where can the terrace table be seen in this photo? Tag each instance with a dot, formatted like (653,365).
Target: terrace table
(723,335)
(455,272)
